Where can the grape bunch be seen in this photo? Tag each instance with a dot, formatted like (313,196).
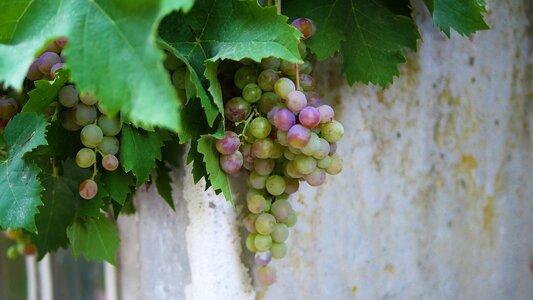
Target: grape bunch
(22,246)
(81,112)
(282,133)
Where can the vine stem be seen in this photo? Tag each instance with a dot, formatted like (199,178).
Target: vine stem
(246,122)
(278,5)
(95,170)
(297,70)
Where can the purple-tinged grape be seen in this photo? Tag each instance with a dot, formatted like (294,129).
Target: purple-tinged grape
(304,164)
(250,242)
(8,107)
(229,143)
(67,120)
(256,180)
(309,117)
(237,109)
(270,63)
(265,223)
(263,258)
(332,131)
(109,145)
(88,98)
(296,101)
(277,151)
(307,82)
(324,163)
(246,151)
(283,119)
(110,126)
(281,210)
(110,162)
(178,77)
(306,67)
(171,62)
(267,102)
(326,113)
(88,189)
(264,166)
(305,26)
(33,72)
(46,61)
(256,204)
(68,96)
(266,276)
(313,99)
(249,223)
(336,165)
(54,68)
(293,218)
(292,185)
(316,178)
(262,148)
(262,242)
(245,75)
(279,250)
(298,136)
(251,93)
(267,79)
(323,151)
(288,68)
(231,163)
(332,148)
(85,158)
(84,114)
(275,185)
(280,233)
(91,135)
(283,87)
(302,49)
(260,128)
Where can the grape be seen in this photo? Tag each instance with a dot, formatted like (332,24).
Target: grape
(292,185)
(171,62)
(256,204)
(110,162)
(228,144)
(309,117)
(109,145)
(245,75)
(291,171)
(281,210)
(313,99)
(305,26)
(67,120)
(91,135)
(266,275)
(46,61)
(280,233)
(88,189)
(231,163)
(296,101)
(268,204)
(85,158)
(323,150)
(326,113)
(335,167)
(279,250)
(262,242)
(260,127)
(110,126)
(281,137)
(61,42)
(8,107)
(288,68)
(262,148)
(265,223)
(294,150)
(283,119)
(264,166)
(250,242)
(12,252)
(302,49)
(263,258)
(332,148)
(13,234)
(53,47)
(313,146)
(306,67)
(68,96)
(267,102)
(332,131)
(288,154)
(88,98)
(267,79)
(246,151)
(316,178)
(298,136)
(277,151)
(178,77)
(237,109)
(324,163)
(84,114)
(249,223)
(275,185)
(304,164)
(307,82)
(33,72)
(270,63)
(283,87)
(54,68)
(251,92)
(256,180)
(293,218)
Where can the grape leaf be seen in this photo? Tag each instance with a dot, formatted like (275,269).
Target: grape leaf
(94,238)
(111,51)
(465,16)
(139,150)
(217,177)
(372,38)
(45,92)
(163,182)
(19,186)
(118,184)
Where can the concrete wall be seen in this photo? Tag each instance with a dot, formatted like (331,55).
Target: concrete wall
(435,200)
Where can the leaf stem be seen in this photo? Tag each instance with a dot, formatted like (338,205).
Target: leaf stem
(95,169)
(278,5)
(297,70)
(246,123)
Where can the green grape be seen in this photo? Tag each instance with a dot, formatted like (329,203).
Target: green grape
(264,166)
(302,49)
(178,77)
(250,242)
(84,114)
(267,102)
(91,135)
(12,252)
(265,223)
(260,127)
(256,204)
(109,145)
(275,185)
(283,196)
(336,165)
(267,79)
(251,93)
(332,131)
(288,68)
(291,221)
(268,204)
(281,136)
(249,223)
(262,148)
(283,87)
(306,67)
(171,62)
(68,96)
(323,151)
(277,151)
(256,181)
(270,63)
(88,98)
(290,171)
(288,154)
(245,75)
(110,126)
(304,164)
(262,242)
(278,250)
(85,158)
(266,275)
(280,233)
(313,146)
(324,163)
(253,192)
(292,185)
(281,210)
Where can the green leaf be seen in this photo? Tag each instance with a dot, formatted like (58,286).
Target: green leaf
(139,150)
(19,186)
(111,51)
(465,16)
(94,238)
(163,184)
(372,38)
(118,184)
(45,92)
(217,177)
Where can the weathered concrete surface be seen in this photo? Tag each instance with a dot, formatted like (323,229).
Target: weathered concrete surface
(435,200)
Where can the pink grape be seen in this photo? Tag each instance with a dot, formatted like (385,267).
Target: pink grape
(283,119)
(309,117)
(54,68)
(313,99)
(88,189)
(326,113)
(305,26)
(262,148)
(249,223)
(263,258)
(110,162)
(46,61)
(332,148)
(229,143)
(298,136)
(296,101)
(231,163)
(237,109)
(316,178)
(266,275)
